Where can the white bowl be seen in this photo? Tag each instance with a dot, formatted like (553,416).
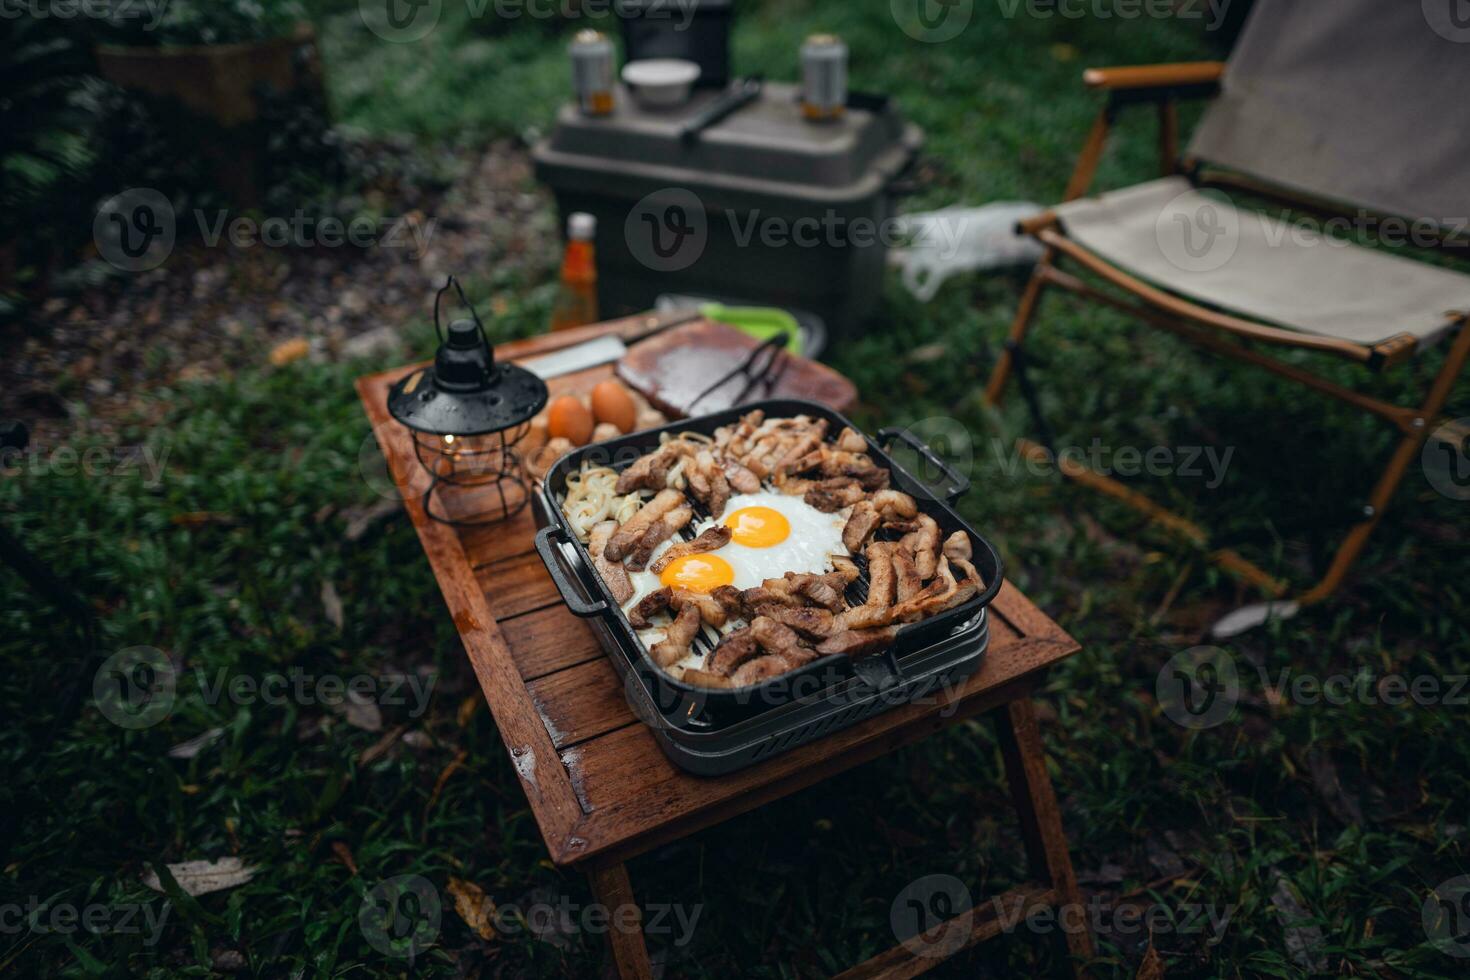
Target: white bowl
(660,82)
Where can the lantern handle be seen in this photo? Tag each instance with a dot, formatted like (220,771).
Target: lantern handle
(439,331)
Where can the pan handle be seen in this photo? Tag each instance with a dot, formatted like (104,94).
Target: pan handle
(555,560)
(959,484)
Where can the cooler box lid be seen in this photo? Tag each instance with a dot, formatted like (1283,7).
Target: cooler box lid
(765,147)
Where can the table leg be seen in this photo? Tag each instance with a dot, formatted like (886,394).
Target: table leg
(1041,822)
(612,890)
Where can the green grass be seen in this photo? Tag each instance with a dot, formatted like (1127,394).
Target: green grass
(802,887)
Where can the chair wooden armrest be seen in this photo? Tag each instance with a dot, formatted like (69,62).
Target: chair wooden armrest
(1162,78)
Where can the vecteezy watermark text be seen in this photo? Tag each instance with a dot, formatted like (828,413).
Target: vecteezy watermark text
(401,917)
(138,687)
(151,12)
(1212,12)
(1189,462)
(93,462)
(407,21)
(1200,687)
(136,230)
(40,917)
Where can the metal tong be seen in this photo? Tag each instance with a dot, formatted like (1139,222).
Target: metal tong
(740,92)
(772,365)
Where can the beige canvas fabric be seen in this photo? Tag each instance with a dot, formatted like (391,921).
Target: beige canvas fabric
(1358,101)
(1201,246)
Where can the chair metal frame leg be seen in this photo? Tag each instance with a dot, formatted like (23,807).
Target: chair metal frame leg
(1415,423)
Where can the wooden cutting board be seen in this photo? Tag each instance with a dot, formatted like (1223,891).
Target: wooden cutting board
(672,368)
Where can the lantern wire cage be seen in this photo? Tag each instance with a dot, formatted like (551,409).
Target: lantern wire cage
(472,463)
(490,404)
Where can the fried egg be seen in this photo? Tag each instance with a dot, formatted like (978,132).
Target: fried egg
(770,534)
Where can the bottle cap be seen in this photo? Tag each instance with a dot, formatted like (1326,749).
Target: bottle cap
(581,226)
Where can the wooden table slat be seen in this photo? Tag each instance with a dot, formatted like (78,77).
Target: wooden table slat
(581,702)
(517,585)
(547,640)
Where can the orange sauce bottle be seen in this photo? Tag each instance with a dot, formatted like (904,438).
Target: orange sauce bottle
(576,299)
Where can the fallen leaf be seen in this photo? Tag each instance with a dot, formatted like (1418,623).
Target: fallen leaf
(362,712)
(332,603)
(1303,939)
(289,350)
(380,748)
(473,906)
(191,748)
(1152,967)
(467,709)
(344,854)
(202,877)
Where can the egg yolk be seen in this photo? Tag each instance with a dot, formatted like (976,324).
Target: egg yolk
(697,573)
(758,527)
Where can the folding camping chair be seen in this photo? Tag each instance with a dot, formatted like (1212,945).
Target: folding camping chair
(1323,107)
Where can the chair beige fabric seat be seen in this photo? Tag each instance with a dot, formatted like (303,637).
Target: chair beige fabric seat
(1200,245)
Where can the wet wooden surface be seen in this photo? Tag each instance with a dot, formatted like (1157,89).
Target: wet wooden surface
(601,789)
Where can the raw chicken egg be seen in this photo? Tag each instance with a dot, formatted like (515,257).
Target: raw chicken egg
(611,403)
(568,419)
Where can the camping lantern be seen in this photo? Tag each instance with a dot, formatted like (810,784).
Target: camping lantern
(466,414)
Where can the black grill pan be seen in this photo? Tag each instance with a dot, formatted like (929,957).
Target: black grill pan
(570,567)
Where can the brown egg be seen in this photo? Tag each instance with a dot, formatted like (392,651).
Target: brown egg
(611,403)
(568,419)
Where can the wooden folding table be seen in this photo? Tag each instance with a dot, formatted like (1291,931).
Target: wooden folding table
(600,788)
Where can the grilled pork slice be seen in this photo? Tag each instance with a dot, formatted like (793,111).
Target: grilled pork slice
(847,568)
(941,594)
(651,470)
(702,678)
(881,581)
(681,632)
(760,669)
(905,574)
(710,611)
(882,585)
(957,545)
(807,620)
(710,539)
(760,596)
(626,537)
(830,463)
(740,477)
(779,639)
(831,495)
(658,532)
(850,440)
(859,643)
(729,599)
(649,606)
(895,505)
(734,649)
(707,482)
(803,444)
(825,590)
(861,524)
(613,573)
(922,538)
